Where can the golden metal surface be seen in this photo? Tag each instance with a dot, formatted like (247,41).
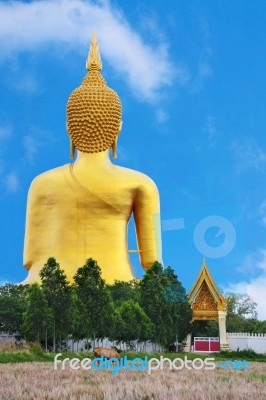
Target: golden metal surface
(93,110)
(82,210)
(94,61)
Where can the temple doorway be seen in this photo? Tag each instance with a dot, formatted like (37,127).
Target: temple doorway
(209,312)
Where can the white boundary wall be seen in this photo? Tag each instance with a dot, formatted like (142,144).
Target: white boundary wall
(6,338)
(244,341)
(146,347)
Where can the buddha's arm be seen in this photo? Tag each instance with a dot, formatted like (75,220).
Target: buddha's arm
(148,226)
(33,224)
(28,257)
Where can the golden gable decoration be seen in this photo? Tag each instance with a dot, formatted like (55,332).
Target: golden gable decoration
(205,298)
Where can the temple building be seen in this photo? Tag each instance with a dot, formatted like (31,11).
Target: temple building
(207,303)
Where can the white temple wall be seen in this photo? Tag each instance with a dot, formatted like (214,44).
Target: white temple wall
(245,341)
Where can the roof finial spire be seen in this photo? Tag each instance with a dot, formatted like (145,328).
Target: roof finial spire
(94,62)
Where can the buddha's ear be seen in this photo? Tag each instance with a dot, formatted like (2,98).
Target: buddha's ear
(72,149)
(120,127)
(114,146)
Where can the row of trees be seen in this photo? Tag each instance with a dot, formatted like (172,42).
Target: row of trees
(152,309)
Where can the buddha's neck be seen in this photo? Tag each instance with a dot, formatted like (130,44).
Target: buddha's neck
(86,160)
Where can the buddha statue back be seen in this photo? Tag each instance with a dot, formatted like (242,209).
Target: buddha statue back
(81,210)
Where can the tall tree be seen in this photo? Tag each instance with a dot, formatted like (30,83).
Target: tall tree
(75,327)
(94,301)
(57,292)
(241,304)
(117,332)
(152,300)
(37,317)
(179,311)
(164,300)
(12,305)
(240,308)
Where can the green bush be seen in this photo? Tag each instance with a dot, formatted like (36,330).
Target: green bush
(248,354)
(36,347)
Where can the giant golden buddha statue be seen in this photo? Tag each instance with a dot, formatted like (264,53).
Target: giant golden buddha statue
(81,210)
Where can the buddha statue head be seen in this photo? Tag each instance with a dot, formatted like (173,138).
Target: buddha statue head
(93,110)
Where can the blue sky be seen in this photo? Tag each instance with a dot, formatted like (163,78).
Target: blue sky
(191,77)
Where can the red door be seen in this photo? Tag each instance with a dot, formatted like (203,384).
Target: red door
(206,344)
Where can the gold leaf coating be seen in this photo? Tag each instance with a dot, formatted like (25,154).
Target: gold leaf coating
(93,109)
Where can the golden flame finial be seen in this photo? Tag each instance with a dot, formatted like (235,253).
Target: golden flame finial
(94,62)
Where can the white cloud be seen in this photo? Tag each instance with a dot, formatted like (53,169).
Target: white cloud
(254,287)
(30,146)
(12,182)
(204,70)
(161,115)
(26,83)
(262,212)
(249,154)
(30,26)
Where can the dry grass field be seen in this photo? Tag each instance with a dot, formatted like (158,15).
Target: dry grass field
(39,381)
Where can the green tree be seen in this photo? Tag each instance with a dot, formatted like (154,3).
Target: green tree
(57,292)
(117,333)
(75,328)
(94,302)
(123,291)
(240,308)
(37,317)
(178,310)
(136,325)
(241,305)
(152,300)
(253,325)
(164,300)
(12,306)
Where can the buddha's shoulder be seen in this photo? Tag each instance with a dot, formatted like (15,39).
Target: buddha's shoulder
(50,178)
(135,177)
